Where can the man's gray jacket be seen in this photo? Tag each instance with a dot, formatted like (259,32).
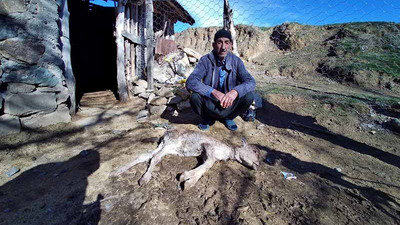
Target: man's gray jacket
(206,75)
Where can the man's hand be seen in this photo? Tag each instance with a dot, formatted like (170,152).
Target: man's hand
(228,99)
(217,94)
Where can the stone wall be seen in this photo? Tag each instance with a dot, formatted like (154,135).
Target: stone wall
(33,91)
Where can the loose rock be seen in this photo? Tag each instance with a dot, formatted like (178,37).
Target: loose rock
(140,83)
(150,98)
(145,95)
(175,100)
(138,90)
(165,92)
(192,53)
(142,114)
(159,101)
(183,93)
(157,109)
(9,125)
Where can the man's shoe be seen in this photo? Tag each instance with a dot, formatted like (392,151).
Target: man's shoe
(230,124)
(203,127)
(205,124)
(249,115)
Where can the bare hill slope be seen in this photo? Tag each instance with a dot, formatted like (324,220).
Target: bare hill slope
(365,55)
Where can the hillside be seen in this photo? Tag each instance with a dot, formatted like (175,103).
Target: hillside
(365,55)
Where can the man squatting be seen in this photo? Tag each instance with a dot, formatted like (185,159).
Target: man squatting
(221,86)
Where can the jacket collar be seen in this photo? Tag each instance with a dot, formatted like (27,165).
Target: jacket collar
(228,60)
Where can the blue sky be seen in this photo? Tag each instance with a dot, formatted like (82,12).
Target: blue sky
(273,12)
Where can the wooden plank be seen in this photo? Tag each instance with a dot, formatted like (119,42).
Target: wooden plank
(128,67)
(140,49)
(133,38)
(133,19)
(150,45)
(121,80)
(133,22)
(133,61)
(127,23)
(170,30)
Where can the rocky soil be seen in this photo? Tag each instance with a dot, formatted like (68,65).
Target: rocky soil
(340,140)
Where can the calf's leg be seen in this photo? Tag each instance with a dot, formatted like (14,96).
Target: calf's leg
(142,158)
(166,150)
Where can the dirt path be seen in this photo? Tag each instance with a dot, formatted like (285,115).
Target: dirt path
(346,160)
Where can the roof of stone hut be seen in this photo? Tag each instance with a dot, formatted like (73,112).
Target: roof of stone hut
(171,8)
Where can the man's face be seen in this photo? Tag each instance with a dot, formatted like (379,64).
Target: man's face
(222,46)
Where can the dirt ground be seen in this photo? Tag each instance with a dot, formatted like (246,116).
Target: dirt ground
(339,146)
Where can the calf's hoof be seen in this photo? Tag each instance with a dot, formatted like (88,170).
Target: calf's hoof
(145,179)
(190,183)
(184,176)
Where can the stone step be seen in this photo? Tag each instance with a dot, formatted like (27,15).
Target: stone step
(99,98)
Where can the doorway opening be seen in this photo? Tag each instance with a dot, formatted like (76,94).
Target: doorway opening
(93,47)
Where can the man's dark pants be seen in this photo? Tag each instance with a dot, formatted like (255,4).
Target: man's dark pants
(210,109)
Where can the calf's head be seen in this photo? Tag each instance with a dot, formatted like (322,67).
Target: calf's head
(248,155)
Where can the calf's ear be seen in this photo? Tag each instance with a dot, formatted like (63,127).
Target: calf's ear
(244,141)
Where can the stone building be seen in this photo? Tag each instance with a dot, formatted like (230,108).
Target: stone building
(52,51)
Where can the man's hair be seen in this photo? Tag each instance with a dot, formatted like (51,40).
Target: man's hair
(222,33)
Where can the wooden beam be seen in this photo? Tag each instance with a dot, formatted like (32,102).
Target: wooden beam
(133,22)
(127,23)
(128,67)
(121,80)
(133,61)
(127,49)
(134,19)
(140,49)
(133,38)
(150,45)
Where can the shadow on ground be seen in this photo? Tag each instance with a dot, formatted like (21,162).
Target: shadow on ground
(272,115)
(379,199)
(52,193)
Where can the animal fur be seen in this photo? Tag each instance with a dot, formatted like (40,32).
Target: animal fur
(193,144)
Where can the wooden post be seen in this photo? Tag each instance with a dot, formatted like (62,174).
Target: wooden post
(133,31)
(149,44)
(128,67)
(171,30)
(119,26)
(66,55)
(128,51)
(228,25)
(133,61)
(134,19)
(140,56)
(127,19)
